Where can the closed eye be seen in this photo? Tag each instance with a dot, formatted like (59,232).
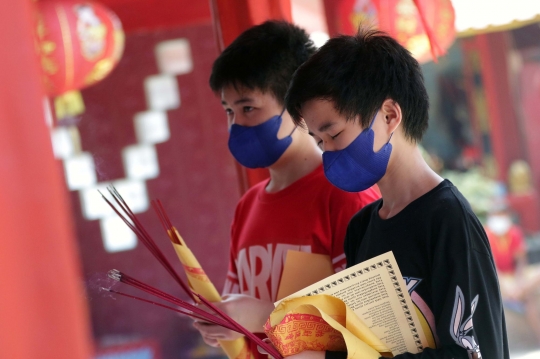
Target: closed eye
(247,109)
(319,142)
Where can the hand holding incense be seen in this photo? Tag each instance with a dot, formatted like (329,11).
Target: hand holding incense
(198,280)
(215,316)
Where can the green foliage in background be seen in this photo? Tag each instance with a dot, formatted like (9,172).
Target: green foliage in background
(479,190)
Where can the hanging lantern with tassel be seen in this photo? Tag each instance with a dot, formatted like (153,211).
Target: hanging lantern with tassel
(79,43)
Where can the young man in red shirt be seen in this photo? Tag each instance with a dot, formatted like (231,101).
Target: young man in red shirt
(296,208)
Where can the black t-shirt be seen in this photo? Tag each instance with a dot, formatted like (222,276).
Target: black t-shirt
(444,256)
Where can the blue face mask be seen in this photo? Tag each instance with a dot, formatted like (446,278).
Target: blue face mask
(258,146)
(357,167)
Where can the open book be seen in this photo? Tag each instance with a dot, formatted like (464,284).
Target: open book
(377,293)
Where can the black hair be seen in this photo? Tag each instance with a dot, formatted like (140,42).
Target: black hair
(263,57)
(358,73)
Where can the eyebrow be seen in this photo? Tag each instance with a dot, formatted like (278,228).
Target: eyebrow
(323,127)
(239,101)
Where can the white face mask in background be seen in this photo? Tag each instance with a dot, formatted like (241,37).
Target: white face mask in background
(499,224)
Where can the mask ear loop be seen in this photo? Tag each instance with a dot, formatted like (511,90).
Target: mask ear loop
(371,125)
(392,134)
(294,129)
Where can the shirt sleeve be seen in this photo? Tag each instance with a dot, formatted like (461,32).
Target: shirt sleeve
(343,206)
(466,299)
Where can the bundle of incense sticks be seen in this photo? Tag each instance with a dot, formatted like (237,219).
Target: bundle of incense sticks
(183,307)
(199,281)
(133,223)
(219,318)
(234,349)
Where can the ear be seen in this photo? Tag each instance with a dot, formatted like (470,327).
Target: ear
(457,314)
(392,115)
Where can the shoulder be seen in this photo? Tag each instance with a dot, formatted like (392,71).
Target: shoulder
(447,204)
(361,218)
(455,222)
(447,197)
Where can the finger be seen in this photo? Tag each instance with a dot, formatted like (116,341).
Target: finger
(211,341)
(261,350)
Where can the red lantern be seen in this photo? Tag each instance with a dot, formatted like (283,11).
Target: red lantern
(424,27)
(79,43)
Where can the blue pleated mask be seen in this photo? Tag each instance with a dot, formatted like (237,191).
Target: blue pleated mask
(357,167)
(258,146)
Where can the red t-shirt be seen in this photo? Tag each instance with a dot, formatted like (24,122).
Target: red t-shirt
(504,248)
(310,215)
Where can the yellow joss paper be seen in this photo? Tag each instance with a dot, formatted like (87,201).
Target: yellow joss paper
(200,283)
(321,322)
(197,278)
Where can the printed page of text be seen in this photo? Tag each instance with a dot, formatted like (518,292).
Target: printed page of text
(377,293)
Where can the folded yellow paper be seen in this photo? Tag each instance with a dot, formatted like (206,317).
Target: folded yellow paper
(200,283)
(321,322)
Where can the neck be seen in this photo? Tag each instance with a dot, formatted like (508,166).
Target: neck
(301,158)
(408,177)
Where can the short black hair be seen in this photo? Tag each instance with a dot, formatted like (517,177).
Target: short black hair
(358,73)
(263,57)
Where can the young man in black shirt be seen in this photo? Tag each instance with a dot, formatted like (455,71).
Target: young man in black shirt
(363,99)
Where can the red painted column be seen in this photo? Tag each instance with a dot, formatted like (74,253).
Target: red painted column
(508,137)
(42,304)
(504,125)
(231,18)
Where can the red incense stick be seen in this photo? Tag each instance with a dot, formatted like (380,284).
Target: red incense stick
(124,278)
(133,223)
(165,221)
(181,311)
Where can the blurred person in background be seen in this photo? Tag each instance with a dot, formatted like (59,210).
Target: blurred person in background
(519,281)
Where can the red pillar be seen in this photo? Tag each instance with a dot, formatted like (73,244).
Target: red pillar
(42,303)
(486,58)
(504,125)
(231,18)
